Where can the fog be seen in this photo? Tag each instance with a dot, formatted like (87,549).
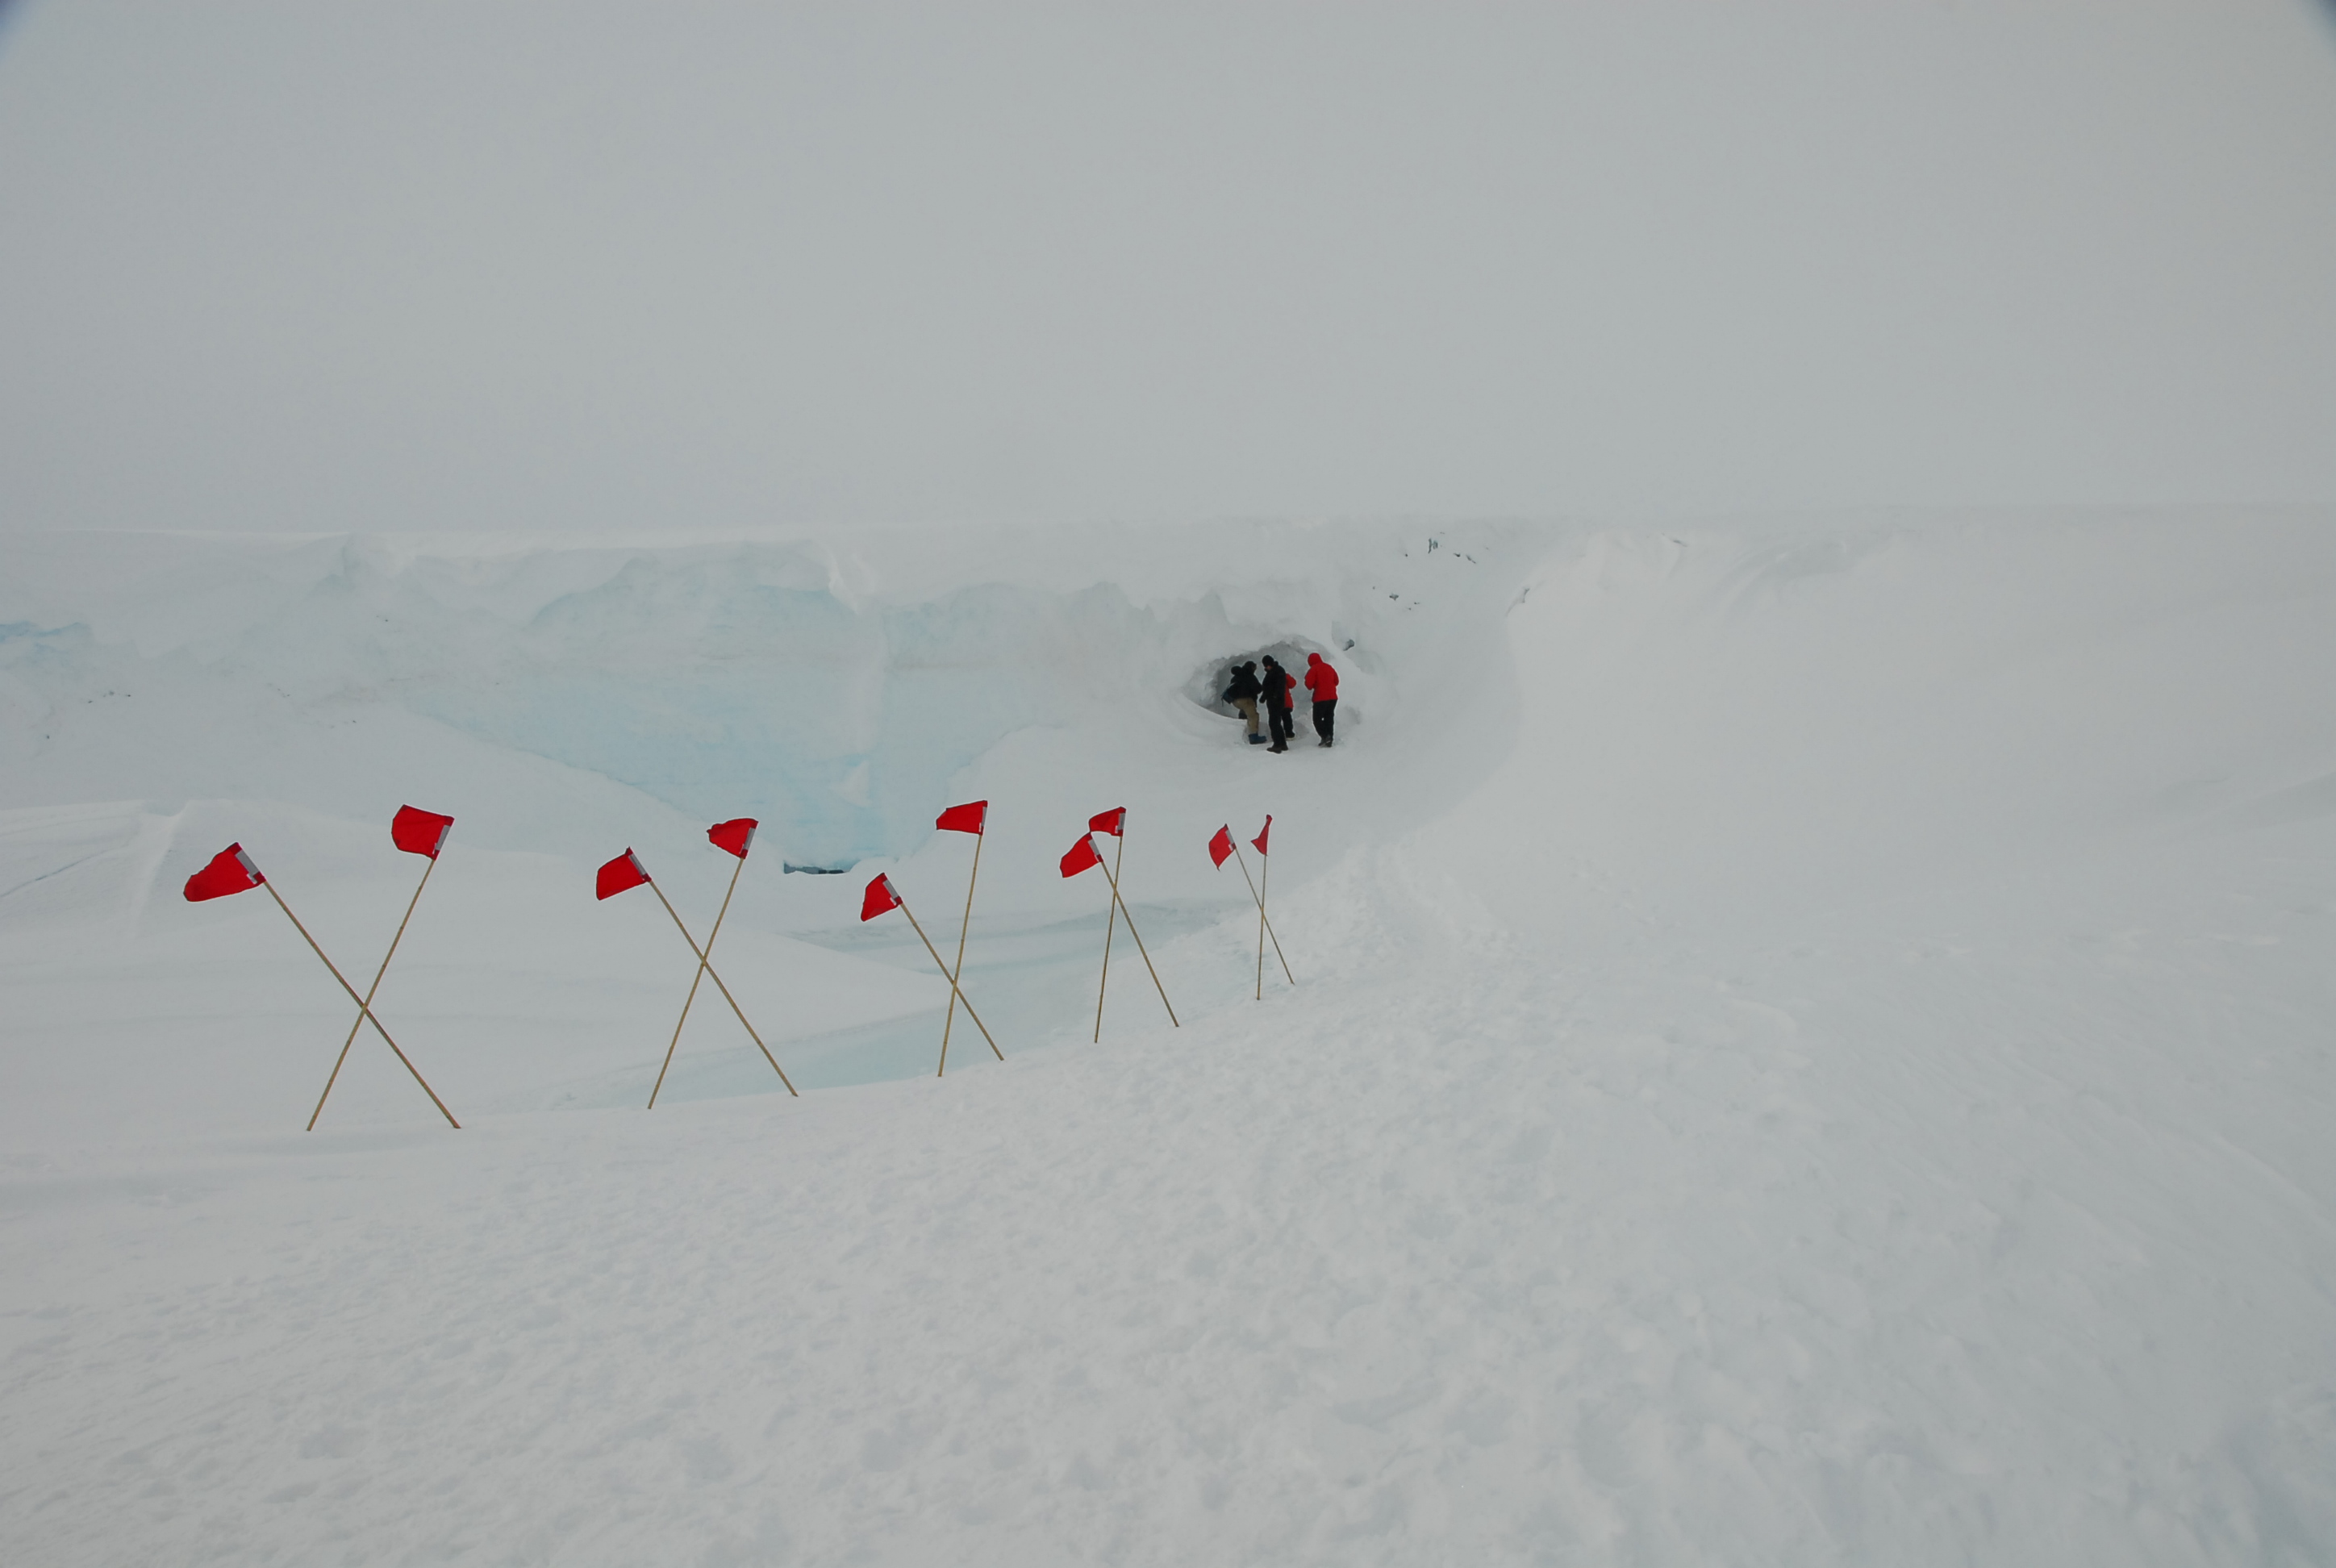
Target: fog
(590,265)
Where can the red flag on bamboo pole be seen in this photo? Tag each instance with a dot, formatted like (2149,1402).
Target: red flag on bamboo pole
(228,872)
(418,832)
(1220,848)
(1113,822)
(879,898)
(620,875)
(1262,832)
(969,818)
(733,837)
(1081,856)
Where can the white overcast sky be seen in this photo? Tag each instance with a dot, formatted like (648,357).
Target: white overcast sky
(320,264)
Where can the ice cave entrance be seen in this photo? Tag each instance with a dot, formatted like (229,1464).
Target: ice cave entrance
(1207,684)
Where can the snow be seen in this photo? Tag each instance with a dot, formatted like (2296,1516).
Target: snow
(1811,1044)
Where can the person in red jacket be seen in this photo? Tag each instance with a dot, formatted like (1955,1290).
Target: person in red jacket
(1323,682)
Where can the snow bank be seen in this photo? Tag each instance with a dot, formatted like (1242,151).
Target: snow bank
(1733,727)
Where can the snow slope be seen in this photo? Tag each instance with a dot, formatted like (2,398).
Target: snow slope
(1812,1046)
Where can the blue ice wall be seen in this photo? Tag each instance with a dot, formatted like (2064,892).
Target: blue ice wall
(833,694)
(840,727)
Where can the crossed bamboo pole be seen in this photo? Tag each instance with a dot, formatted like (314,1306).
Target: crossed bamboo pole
(706,966)
(1264,875)
(1121,904)
(954,992)
(1111,919)
(1265,927)
(365,1003)
(957,973)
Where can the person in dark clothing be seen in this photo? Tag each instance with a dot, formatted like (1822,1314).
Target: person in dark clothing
(1323,682)
(1243,692)
(1278,683)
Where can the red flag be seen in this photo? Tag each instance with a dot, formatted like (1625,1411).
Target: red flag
(879,898)
(1220,848)
(231,872)
(734,835)
(1110,821)
(418,832)
(969,818)
(1259,840)
(1083,856)
(623,872)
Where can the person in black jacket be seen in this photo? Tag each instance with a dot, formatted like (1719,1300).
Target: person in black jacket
(1277,682)
(1243,692)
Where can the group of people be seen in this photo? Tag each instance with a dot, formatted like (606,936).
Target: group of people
(1276,688)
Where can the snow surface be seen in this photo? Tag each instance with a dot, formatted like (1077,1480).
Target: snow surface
(1812,1044)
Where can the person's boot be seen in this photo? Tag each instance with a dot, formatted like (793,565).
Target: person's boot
(1257,740)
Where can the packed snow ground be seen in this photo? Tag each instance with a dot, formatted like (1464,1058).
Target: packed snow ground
(1816,1042)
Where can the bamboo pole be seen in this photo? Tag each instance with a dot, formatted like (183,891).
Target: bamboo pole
(1111,919)
(1260,902)
(1264,873)
(946,975)
(365,1009)
(1139,947)
(967,926)
(705,964)
(366,1004)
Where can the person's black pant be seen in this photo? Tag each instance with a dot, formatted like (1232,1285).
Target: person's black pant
(1283,727)
(1325,715)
